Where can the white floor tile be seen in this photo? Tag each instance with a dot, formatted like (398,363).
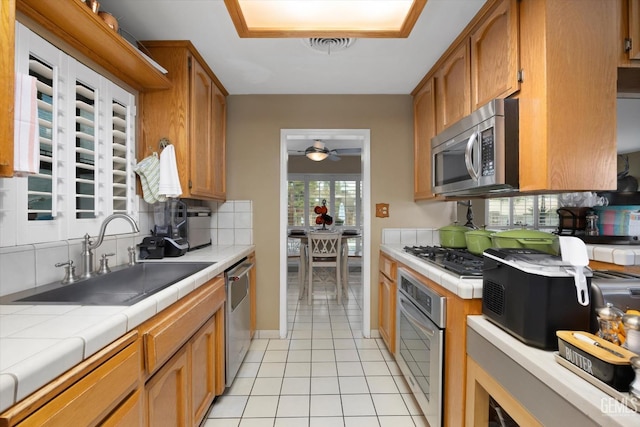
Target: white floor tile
(261,407)
(382,384)
(366,343)
(357,405)
(411,403)
(401,383)
(394,368)
(258,344)
(349,355)
(361,422)
(323,356)
(256,422)
(240,387)
(278,345)
(248,370)
(344,344)
(326,405)
(222,422)
(351,369)
(323,369)
(394,421)
(326,422)
(228,407)
(292,422)
(300,344)
(344,332)
(321,333)
(296,386)
(375,368)
(301,334)
(275,356)
(353,385)
(389,404)
(420,421)
(266,387)
(271,370)
(300,369)
(370,355)
(293,406)
(254,356)
(321,343)
(324,385)
(299,356)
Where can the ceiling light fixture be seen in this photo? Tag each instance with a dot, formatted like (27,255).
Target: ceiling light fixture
(324,18)
(317,152)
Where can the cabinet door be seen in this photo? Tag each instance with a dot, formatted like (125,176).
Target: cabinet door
(203,358)
(387,312)
(219,185)
(128,414)
(634,30)
(453,100)
(201,134)
(424,126)
(495,55)
(167,394)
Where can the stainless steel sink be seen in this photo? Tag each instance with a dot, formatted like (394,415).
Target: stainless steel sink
(126,286)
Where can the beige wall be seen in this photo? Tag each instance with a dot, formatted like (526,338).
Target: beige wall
(253,146)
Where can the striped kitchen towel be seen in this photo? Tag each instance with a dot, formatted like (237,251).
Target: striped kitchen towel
(26,143)
(149,171)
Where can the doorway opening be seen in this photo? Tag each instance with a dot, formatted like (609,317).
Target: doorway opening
(339,143)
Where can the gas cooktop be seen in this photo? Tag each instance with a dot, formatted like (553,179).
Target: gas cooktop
(458,261)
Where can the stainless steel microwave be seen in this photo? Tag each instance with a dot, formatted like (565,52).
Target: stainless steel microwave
(478,154)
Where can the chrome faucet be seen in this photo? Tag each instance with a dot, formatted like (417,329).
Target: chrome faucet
(88,246)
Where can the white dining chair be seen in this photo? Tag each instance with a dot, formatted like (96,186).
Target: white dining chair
(324,250)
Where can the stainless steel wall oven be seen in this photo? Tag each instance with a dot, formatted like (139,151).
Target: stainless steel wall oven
(420,343)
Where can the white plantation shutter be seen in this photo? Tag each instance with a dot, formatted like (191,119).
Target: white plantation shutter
(537,212)
(41,200)
(87,151)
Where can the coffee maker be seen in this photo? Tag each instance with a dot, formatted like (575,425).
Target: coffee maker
(171,225)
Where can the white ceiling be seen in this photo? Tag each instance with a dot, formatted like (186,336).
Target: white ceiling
(288,66)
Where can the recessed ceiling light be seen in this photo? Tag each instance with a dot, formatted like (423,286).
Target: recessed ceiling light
(324,18)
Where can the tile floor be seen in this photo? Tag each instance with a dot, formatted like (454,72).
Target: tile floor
(323,375)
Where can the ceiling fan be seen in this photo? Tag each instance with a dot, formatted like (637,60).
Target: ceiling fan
(319,151)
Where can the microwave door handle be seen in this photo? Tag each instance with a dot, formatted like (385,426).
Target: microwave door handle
(468,160)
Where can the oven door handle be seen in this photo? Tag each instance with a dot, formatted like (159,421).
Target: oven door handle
(409,311)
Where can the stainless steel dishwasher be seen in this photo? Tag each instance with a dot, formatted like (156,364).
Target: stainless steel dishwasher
(238,317)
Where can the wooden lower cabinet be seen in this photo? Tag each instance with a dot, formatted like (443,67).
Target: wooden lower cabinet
(202,355)
(387,288)
(167,393)
(128,414)
(86,395)
(480,387)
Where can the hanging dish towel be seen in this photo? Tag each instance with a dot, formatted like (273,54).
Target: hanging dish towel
(149,171)
(26,154)
(169,181)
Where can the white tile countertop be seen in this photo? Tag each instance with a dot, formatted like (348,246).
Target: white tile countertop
(615,254)
(40,342)
(465,288)
(587,398)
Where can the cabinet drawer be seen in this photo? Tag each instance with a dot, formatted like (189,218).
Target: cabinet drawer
(89,400)
(128,414)
(179,322)
(388,267)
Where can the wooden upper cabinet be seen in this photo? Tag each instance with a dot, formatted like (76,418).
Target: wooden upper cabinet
(453,100)
(567,98)
(7,55)
(629,40)
(495,55)
(191,115)
(424,126)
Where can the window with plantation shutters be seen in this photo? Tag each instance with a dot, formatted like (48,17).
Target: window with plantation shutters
(86,127)
(537,212)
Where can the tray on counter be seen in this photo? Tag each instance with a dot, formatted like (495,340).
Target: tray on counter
(626,398)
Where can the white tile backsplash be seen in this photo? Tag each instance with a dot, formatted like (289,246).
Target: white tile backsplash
(27,266)
(410,236)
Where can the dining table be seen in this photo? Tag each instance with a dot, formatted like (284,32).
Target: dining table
(301,235)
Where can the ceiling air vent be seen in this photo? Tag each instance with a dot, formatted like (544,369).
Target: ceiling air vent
(329,44)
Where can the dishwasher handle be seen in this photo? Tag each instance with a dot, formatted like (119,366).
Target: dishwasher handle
(237,273)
